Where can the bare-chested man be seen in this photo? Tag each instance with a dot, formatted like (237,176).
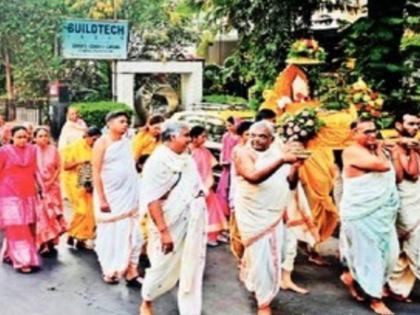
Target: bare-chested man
(261,195)
(118,242)
(407,166)
(368,239)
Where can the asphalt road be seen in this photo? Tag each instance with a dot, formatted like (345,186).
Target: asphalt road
(71,285)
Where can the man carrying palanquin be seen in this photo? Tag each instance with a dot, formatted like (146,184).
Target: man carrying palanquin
(118,242)
(77,163)
(290,239)
(407,166)
(261,197)
(368,239)
(172,192)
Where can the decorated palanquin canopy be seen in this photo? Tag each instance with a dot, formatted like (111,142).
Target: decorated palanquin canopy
(336,133)
(306,52)
(291,94)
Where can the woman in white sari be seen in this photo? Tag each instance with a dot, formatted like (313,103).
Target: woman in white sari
(73,130)
(172,193)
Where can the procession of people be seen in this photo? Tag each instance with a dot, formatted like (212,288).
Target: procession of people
(156,196)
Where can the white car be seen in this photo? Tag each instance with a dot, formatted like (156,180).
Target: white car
(214,125)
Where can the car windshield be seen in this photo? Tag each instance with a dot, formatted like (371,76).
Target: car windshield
(215,127)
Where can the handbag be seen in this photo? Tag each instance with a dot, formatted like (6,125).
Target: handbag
(84,176)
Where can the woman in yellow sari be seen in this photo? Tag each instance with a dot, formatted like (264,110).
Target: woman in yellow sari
(148,138)
(77,162)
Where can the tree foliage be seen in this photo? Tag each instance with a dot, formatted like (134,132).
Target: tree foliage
(266,29)
(29,42)
(384,47)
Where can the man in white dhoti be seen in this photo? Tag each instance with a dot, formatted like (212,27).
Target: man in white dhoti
(299,226)
(407,166)
(290,237)
(261,197)
(118,242)
(172,192)
(368,238)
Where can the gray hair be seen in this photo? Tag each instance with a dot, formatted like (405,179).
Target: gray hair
(263,124)
(172,128)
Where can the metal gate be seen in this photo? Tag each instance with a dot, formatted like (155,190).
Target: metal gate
(33,111)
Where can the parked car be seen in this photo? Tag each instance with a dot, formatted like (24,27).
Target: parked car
(214,125)
(224,111)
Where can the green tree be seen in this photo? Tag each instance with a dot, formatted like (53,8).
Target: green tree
(266,29)
(29,45)
(385,45)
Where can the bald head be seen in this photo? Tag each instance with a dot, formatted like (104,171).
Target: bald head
(263,125)
(262,135)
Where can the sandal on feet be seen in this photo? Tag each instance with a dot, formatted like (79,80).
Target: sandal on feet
(47,252)
(222,239)
(319,261)
(7,260)
(109,280)
(212,244)
(135,282)
(82,245)
(25,270)
(398,297)
(70,241)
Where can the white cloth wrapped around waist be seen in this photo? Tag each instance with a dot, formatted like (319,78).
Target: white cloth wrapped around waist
(300,221)
(174,180)
(409,213)
(120,183)
(368,237)
(259,207)
(408,222)
(367,194)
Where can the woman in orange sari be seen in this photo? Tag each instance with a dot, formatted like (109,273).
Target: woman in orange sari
(50,218)
(18,191)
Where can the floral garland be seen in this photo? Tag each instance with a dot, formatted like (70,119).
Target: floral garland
(306,51)
(301,127)
(365,100)
(369,103)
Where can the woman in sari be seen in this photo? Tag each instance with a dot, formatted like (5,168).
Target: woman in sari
(73,130)
(50,218)
(144,143)
(77,163)
(148,138)
(216,209)
(6,134)
(18,192)
(229,140)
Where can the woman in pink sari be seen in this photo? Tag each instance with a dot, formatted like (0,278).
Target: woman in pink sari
(50,218)
(229,140)
(205,162)
(18,201)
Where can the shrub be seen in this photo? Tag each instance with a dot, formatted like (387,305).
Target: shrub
(93,113)
(224,99)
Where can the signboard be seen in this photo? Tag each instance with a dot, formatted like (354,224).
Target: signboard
(90,39)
